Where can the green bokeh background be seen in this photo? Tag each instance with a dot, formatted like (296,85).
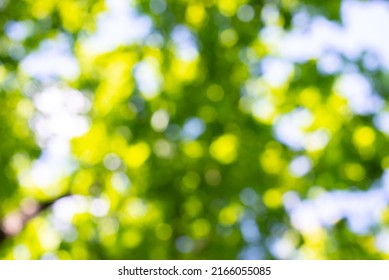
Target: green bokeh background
(138,186)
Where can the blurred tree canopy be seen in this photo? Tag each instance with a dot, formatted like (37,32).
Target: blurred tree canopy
(173,143)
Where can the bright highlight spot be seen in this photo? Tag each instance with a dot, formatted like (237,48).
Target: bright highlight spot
(230,214)
(136,155)
(272,198)
(160,120)
(364,137)
(224,149)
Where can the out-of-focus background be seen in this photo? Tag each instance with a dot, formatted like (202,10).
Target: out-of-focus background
(194,129)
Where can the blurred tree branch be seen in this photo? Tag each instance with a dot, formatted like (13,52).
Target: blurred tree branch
(14,223)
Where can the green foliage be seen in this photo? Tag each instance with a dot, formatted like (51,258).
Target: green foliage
(172,195)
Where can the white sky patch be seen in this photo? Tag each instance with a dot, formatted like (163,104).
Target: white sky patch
(385,182)
(291,200)
(53,60)
(60,117)
(283,249)
(276,71)
(249,230)
(330,63)
(62,125)
(381,121)
(99,207)
(361,209)
(290,130)
(53,99)
(120,25)
(300,166)
(185,43)
(368,23)
(193,128)
(61,113)
(53,164)
(382,240)
(359,93)
(272,36)
(322,35)
(19,30)
(65,208)
(148,78)
(365,28)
